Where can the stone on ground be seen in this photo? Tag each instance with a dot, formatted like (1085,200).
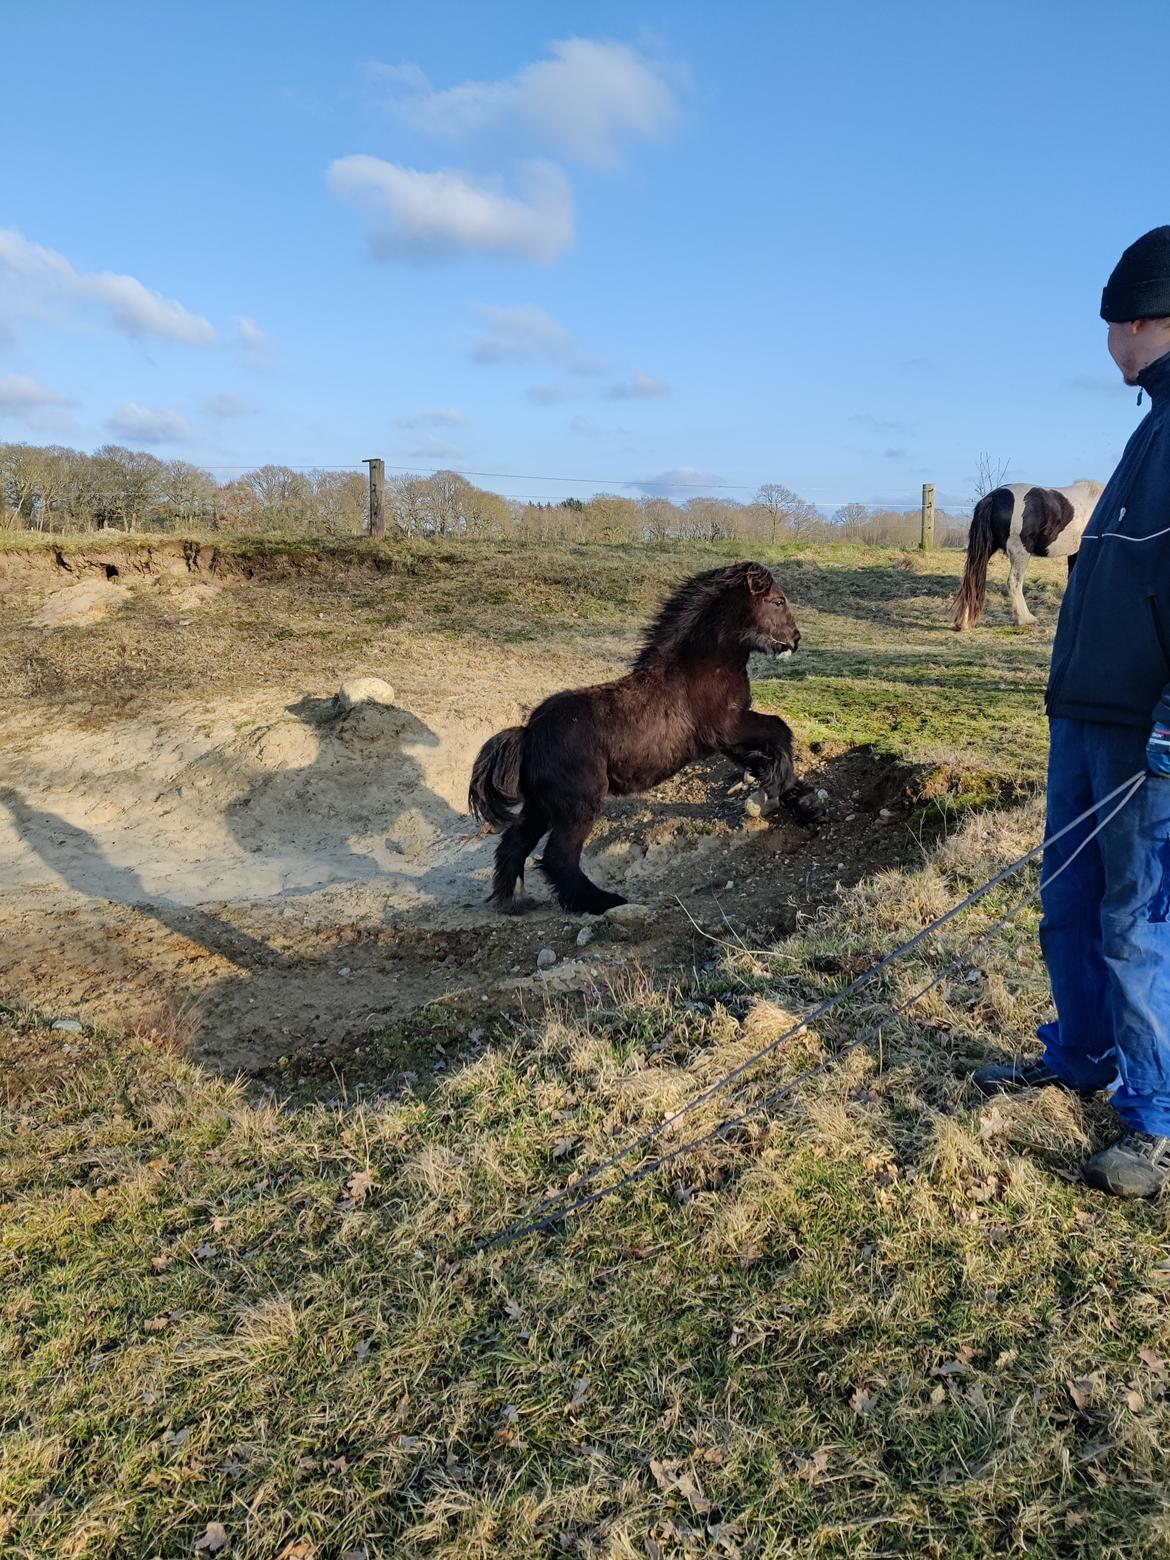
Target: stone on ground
(356,691)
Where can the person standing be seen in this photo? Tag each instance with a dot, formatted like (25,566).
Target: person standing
(1105,930)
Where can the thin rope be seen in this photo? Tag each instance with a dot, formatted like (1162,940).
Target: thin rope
(536,1223)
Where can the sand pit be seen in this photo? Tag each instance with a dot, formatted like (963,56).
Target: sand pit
(272,869)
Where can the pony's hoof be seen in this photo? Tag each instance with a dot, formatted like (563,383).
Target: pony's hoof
(804,810)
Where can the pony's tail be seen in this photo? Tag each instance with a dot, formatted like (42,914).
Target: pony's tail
(494,796)
(968,604)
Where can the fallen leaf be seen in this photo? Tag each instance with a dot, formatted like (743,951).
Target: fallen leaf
(297,1549)
(1082,1390)
(160,1263)
(156,1324)
(213,1539)
(513,1311)
(1134,1401)
(862,1402)
(579,1392)
(205,1251)
(815,1467)
(1155,1363)
(939,1395)
(359,1186)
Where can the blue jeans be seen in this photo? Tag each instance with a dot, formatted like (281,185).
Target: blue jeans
(1106,925)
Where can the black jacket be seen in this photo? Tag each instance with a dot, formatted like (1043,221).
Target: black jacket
(1111,659)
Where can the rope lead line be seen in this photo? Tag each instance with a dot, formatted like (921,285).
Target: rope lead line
(536,1222)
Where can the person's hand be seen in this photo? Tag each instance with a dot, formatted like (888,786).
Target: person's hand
(1158,751)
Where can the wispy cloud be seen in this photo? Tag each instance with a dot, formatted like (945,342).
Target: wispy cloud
(225,407)
(553,394)
(440,417)
(524,334)
(432,449)
(44,284)
(421,216)
(586,428)
(26,400)
(256,346)
(642,387)
(680,481)
(144,425)
(879,424)
(586,102)
(1098,384)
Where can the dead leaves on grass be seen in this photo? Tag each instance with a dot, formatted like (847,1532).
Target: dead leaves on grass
(359,1186)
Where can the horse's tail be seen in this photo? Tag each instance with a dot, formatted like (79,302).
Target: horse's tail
(494,796)
(981,543)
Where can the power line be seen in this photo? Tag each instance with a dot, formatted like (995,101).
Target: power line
(649,486)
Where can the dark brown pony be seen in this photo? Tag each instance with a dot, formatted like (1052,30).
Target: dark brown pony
(687,696)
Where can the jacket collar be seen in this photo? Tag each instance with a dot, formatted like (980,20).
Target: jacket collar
(1155,378)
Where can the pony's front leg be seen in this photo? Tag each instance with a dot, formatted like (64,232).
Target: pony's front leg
(763,745)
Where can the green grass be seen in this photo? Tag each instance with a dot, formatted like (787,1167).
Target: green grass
(880,1321)
(875,1324)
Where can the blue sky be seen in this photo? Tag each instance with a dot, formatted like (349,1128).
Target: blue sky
(842,246)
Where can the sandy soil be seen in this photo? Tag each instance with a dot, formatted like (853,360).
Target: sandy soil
(271,874)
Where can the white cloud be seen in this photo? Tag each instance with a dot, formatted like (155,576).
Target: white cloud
(142,425)
(433,449)
(225,407)
(256,346)
(20,393)
(524,334)
(552,394)
(587,428)
(682,482)
(428,216)
(43,282)
(642,387)
(440,417)
(585,102)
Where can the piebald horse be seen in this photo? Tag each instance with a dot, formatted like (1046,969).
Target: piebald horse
(1024,522)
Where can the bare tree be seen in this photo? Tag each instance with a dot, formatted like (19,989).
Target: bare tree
(788,514)
(852,520)
(989,474)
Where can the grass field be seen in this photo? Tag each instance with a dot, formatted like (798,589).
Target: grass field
(877,1320)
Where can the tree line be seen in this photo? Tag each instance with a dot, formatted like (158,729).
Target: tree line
(55,490)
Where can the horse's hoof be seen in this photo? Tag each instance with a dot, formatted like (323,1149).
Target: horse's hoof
(804,811)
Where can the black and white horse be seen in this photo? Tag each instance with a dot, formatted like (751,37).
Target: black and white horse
(1024,522)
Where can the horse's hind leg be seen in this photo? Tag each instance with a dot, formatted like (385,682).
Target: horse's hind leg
(1018,556)
(517,844)
(561,865)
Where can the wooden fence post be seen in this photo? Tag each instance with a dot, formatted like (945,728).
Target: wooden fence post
(927,516)
(377,511)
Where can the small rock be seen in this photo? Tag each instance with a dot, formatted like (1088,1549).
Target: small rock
(630,917)
(67,1026)
(760,805)
(545,959)
(364,690)
(884,812)
(585,936)
(822,795)
(344,971)
(849,817)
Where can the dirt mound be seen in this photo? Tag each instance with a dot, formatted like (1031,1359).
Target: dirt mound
(303,874)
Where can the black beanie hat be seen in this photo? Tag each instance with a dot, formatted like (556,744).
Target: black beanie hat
(1139,288)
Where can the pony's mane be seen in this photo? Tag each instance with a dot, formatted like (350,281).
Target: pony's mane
(693,606)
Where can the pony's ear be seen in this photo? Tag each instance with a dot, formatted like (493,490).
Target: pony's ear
(758,579)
